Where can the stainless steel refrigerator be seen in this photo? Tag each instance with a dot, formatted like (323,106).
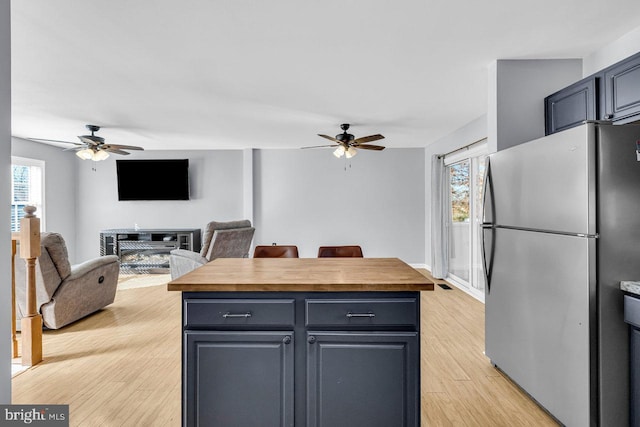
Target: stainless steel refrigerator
(561,230)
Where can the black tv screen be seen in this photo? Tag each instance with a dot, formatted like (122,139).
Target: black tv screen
(166,179)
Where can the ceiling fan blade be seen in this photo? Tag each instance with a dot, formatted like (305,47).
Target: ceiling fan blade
(78,147)
(126,147)
(369,138)
(319,146)
(370,147)
(115,150)
(91,139)
(330,138)
(52,140)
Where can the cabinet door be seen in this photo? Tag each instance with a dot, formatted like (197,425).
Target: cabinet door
(634,399)
(622,90)
(571,106)
(363,379)
(238,379)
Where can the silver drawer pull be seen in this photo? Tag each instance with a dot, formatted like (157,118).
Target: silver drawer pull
(243,315)
(350,315)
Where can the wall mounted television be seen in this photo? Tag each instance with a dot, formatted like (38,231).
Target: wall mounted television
(158,179)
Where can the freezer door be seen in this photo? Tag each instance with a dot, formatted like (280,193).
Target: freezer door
(545,184)
(537,318)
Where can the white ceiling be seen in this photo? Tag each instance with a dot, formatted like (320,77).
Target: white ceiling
(169,74)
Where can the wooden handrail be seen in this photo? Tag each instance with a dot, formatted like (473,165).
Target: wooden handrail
(32,320)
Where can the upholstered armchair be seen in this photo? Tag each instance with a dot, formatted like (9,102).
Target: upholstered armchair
(64,292)
(230,239)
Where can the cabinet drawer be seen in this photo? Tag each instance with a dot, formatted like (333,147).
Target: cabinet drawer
(398,312)
(238,313)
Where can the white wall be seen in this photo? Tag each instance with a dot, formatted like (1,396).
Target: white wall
(377,202)
(625,46)
(5,199)
(216,184)
(516,103)
(307,198)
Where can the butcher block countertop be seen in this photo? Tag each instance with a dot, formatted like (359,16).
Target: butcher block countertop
(303,275)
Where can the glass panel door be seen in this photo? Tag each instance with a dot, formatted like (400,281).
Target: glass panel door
(459,220)
(465,182)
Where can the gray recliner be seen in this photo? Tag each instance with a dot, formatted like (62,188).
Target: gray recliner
(64,292)
(230,239)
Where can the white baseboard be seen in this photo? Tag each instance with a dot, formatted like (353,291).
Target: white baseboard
(420,266)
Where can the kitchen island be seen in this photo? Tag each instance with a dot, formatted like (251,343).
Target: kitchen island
(301,341)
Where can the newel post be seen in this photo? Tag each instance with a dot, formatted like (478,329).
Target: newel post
(32,320)
(14,340)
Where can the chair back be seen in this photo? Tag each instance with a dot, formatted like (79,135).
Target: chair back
(232,243)
(52,267)
(276,251)
(211,227)
(339,251)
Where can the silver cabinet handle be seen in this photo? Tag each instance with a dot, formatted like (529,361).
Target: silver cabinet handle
(370,315)
(243,315)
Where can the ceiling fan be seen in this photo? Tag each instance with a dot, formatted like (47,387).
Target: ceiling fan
(94,147)
(347,143)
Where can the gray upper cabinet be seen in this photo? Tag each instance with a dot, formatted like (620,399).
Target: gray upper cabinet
(571,106)
(622,91)
(612,94)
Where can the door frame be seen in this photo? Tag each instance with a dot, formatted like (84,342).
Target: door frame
(471,153)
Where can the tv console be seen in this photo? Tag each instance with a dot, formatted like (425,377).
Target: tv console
(145,251)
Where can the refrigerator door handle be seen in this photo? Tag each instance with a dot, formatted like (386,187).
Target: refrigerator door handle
(488,205)
(487,262)
(488,202)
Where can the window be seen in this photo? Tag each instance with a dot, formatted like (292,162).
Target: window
(27,184)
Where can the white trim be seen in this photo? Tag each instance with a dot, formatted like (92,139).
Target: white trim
(25,161)
(419,266)
(477,149)
(467,290)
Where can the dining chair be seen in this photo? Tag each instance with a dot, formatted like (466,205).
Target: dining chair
(276,251)
(339,251)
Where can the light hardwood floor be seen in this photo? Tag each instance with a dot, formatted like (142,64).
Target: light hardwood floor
(121,367)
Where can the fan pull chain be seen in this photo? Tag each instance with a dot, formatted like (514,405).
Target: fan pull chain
(345,163)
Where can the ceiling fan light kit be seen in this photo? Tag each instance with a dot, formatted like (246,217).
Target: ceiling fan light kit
(348,153)
(348,144)
(85,154)
(92,154)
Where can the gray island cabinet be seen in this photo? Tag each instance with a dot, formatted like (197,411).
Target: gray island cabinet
(301,342)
